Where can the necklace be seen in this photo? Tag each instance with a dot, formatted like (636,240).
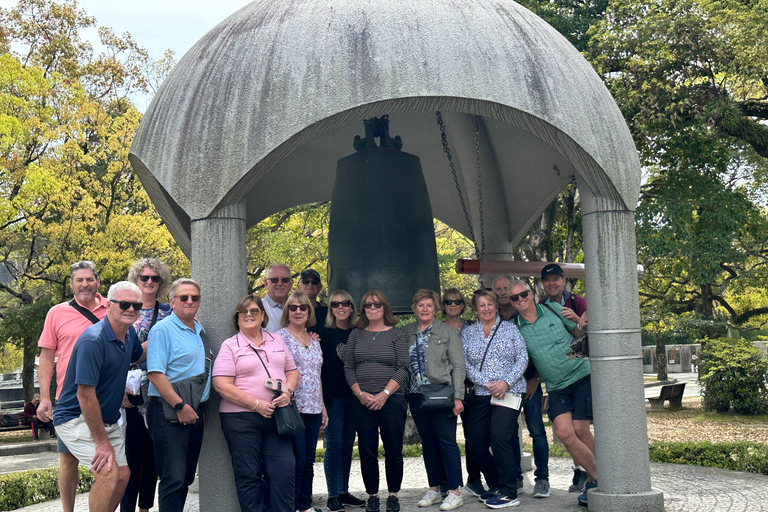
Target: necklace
(377,333)
(301,337)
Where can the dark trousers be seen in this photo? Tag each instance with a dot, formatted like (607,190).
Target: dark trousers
(257,449)
(473,470)
(493,426)
(535,424)
(437,430)
(36,424)
(177,448)
(304,449)
(390,422)
(339,442)
(139,451)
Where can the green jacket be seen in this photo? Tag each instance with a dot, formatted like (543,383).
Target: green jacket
(443,355)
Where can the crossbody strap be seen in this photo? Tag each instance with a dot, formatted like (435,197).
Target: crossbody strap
(154,315)
(489,345)
(85,312)
(560,317)
(207,348)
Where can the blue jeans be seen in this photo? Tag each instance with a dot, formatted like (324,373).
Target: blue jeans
(304,449)
(535,424)
(340,439)
(177,448)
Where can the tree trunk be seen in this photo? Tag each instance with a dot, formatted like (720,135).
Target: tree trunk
(28,369)
(571,221)
(661,359)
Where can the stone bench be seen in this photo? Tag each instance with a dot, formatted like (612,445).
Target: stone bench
(671,392)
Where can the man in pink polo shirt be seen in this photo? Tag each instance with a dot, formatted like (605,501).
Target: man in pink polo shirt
(64,324)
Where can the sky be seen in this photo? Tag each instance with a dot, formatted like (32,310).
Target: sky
(157,25)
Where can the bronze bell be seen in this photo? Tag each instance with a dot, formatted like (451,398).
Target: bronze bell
(381,233)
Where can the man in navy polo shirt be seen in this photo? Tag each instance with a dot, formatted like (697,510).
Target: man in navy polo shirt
(89,405)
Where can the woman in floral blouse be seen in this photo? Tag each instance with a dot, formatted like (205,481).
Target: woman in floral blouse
(496,358)
(298,314)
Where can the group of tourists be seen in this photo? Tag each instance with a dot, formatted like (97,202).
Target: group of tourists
(294,368)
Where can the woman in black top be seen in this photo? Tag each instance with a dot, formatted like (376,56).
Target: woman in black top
(338,398)
(376,367)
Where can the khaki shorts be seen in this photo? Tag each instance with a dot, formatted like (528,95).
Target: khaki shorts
(78,439)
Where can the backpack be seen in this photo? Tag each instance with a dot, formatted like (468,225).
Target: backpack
(9,421)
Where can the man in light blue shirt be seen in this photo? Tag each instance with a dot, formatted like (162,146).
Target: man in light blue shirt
(176,352)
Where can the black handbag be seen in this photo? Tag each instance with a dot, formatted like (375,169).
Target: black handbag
(287,419)
(436,397)
(190,389)
(469,386)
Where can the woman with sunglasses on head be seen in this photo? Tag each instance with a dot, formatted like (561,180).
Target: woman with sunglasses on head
(245,362)
(496,358)
(298,315)
(152,277)
(340,434)
(436,357)
(376,368)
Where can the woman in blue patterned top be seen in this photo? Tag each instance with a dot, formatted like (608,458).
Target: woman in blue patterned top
(496,359)
(153,278)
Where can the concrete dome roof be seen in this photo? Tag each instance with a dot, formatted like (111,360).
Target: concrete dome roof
(262,107)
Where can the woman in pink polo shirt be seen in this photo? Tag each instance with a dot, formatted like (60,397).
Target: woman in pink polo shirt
(244,364)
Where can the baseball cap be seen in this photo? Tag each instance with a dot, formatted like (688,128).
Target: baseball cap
(553,269)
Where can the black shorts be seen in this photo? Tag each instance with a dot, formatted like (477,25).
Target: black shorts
(576,398)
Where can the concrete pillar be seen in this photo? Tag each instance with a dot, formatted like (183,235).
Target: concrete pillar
(621,436)
(219,265)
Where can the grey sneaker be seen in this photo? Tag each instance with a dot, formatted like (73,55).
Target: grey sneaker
(541,489)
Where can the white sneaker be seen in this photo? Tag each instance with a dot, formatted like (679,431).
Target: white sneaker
(430,498)
(452,501)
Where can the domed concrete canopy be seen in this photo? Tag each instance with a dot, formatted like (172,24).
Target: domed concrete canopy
(263,106)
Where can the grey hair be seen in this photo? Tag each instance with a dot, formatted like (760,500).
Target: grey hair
(152,264)
(122,285)
(278,265)
(82,265)
(503,276)
(518,282)
(184,280)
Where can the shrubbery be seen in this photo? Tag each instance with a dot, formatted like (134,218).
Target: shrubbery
(733,373)
(26,488)
(738,456)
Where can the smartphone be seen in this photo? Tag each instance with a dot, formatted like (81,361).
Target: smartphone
(273,384)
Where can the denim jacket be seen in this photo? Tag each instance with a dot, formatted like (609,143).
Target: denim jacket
(443,354)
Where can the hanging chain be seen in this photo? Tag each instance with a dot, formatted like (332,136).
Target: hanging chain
(483,254)
(447,152)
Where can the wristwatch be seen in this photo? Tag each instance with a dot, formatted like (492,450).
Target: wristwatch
(179,406)
(386,391)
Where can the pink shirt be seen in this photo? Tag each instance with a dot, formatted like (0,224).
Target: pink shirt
(238,359)
(63,326)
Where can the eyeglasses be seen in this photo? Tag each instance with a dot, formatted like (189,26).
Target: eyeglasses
(144,279)
(371,305)
(516,297)
(307,282)
(125,305)
(453,302)
(335,304)
(275,280)
(252,312)
(185,298)
(293,307)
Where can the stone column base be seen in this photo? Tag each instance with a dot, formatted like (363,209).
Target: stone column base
(652,501)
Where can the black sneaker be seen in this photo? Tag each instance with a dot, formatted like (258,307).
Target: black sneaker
(373,504)
(579,479)
(352,501)
(393,504)
(334,505)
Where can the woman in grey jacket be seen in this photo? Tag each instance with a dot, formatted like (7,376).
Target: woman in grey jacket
(436,357)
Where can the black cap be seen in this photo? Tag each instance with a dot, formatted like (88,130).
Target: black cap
(553,269)
(310,272)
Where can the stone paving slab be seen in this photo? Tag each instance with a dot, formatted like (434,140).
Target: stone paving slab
(686,488)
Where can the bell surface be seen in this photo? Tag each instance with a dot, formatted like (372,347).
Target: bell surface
(381,233)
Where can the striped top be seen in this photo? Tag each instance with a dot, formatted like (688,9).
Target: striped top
(372,363)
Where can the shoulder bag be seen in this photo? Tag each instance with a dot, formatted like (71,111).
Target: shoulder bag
(469,386)
(580,345)
(287,418)
(190,389)
(434,397)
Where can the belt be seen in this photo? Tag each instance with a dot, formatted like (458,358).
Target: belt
(155,399)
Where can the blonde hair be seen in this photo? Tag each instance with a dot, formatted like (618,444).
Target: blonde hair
(330,319)
(301,298)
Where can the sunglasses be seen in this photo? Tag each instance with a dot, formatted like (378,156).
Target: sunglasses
(453,302)
(335,304)
(516,297)
(371,305)
(144,279)
(185,298)
(275,280)
(307,282)
(293,307)
(125,305)
(252,312)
